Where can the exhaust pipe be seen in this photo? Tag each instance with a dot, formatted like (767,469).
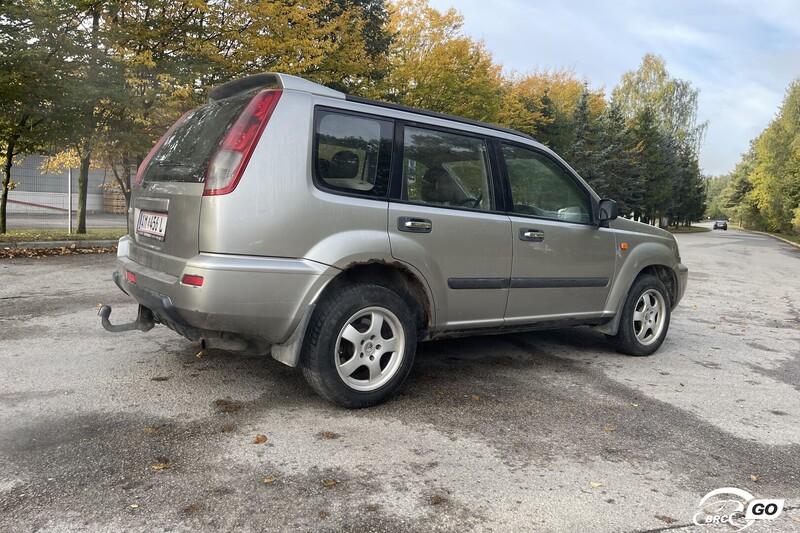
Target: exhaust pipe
(144,320)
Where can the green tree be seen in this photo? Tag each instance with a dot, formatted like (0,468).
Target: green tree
(654,160)
(649,96)
(583,151)
(715,186)
(673,101)
(34,48)
(617,176)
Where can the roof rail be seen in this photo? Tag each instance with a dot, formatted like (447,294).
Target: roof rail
(271,80)
(434,114)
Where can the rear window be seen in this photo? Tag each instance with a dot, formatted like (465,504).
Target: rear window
(185,155)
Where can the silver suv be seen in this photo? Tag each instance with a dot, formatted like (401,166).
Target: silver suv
(337,232)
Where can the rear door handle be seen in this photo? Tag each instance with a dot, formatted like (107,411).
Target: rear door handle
(532,235)
(414,225)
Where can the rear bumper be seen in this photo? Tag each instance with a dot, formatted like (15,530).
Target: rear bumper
(261,297)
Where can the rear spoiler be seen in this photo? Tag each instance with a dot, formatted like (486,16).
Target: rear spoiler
(271,80)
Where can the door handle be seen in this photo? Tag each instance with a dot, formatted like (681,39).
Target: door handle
(532,235)
(414,225)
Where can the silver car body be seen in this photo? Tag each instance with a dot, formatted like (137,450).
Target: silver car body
(267,250)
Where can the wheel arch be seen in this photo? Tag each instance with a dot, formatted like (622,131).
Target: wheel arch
(667,277)
(395,276)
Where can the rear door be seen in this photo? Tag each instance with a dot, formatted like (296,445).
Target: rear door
(444,224)
(563,263)
(167,197)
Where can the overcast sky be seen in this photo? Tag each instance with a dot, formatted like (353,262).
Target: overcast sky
(742,55)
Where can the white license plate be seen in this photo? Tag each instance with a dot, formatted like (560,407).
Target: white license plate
(152,225)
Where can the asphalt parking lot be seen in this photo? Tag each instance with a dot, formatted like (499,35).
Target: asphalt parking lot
(531,432)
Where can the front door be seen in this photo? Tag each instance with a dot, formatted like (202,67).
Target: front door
(563,263)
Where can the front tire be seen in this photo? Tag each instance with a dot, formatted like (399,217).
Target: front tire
(360,345)
(645,318)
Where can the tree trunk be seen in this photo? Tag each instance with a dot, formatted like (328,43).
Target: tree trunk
(83,189)
(9,161)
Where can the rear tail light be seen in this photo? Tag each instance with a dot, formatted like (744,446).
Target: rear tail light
(154,149)
(231,158)
(131,276)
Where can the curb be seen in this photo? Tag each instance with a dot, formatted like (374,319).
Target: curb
(58,244)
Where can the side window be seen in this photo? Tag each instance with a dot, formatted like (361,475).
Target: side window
(353,153)
(445,169)
(540,187)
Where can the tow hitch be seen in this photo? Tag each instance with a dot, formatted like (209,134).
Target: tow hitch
(144,322)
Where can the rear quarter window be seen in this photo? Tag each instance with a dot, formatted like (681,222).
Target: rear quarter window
(352,153)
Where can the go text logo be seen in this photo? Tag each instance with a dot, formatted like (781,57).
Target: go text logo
(727,506)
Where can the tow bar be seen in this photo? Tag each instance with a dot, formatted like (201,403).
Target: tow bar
(144,321)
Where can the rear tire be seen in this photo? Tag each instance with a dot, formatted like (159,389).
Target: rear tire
(645,318)
(360,345)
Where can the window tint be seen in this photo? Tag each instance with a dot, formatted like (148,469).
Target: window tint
(540,187)
(353,153)
(445,169)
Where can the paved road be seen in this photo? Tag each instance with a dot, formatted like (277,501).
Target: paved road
(547,431)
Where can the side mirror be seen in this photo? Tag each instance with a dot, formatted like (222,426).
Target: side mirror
(608,210)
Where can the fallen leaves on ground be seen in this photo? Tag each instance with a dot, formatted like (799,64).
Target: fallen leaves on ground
(259,439)
(754,478)
(437,500)
(475,397)
(150,431)
(199,354)
(192,509)
(330,435)
(330,483)
(227,428)
(270,480)
(609,429)
(161,464)
(134,506)
(228,407)
(10,253)
(595,484)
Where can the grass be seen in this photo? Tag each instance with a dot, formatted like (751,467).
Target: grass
(33,235)
(794,238)
(689,229)
(786,236)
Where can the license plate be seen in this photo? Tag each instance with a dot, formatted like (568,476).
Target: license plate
(153,225)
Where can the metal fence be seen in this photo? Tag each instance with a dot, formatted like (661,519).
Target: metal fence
(42,199)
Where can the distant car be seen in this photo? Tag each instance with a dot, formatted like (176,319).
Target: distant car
(721,224)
